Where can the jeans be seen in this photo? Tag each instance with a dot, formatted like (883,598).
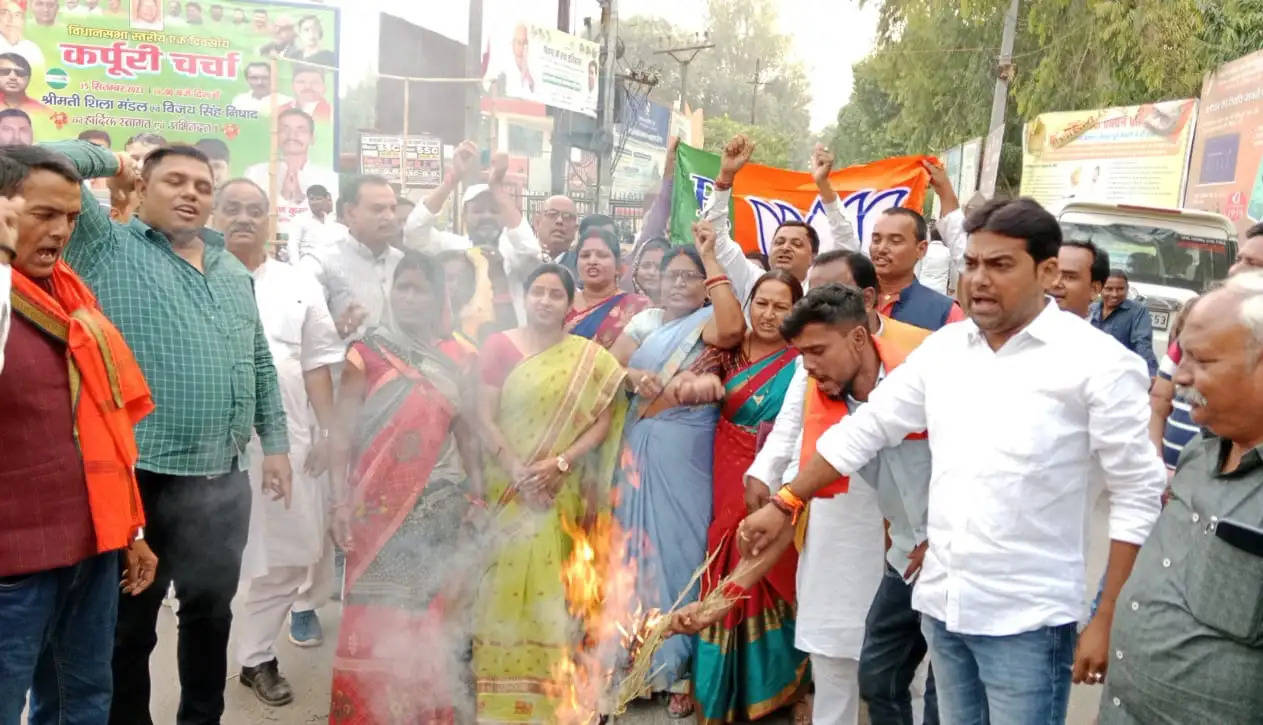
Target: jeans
(1018,679)
(197,527)
(56,632)
(893,649)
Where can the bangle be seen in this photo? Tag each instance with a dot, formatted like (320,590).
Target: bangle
(789,502)
(784,508)
(734,591)
(722,186)
(717,279)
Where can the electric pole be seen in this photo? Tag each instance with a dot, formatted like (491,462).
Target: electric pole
(605,157)
(677,54)
(995,132)
(754,98)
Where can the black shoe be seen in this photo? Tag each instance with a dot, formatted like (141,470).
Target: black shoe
(268,684)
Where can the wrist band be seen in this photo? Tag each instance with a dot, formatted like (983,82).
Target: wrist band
(784,508)
(789,502)
(722,186)
(717,279)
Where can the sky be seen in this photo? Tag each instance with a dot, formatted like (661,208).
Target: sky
(828,37)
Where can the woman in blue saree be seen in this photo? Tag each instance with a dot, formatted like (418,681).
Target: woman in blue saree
(601,310)
(663,487)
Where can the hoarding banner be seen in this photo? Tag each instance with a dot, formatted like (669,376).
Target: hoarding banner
(545,65)
(380,155)
(1226,170)
(646,129)
(1127,154)
(765,197)
(200,77)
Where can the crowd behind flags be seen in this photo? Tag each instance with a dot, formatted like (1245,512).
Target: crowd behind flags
(870,470)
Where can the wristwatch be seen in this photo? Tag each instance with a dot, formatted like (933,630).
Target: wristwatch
(562,464)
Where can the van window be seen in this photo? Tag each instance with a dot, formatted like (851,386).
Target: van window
(1157,255)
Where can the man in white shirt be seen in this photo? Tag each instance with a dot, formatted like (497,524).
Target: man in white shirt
(357,270)
(315,228)
(794,244)
(503,246)
(295,170)
(288,561)
(935,268)
(1021,403)
(259,97)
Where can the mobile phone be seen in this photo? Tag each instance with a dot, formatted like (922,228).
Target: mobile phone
(1241,536)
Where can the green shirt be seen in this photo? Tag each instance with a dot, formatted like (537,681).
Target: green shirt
(197,335)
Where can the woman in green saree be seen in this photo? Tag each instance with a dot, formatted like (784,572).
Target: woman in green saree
(547,408)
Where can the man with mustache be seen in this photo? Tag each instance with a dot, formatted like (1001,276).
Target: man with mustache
(315,228)
(288,562)
(187,309)
(295,170)
(1016,424)
(846,606)
(1187,639)
(501,244)
(356,271)
(899,242)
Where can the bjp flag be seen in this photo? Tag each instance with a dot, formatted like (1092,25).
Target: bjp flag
(763,197)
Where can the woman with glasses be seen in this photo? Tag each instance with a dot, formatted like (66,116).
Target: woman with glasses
(663,488)
(746,666)
(550,414)
(600,310)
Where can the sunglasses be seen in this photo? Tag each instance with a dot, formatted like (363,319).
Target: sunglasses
(15,72)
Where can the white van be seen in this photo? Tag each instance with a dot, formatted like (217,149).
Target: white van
(1169,255)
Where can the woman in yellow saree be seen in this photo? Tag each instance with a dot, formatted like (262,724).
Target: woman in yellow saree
(547,405)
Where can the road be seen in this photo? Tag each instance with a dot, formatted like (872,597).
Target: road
(308,670)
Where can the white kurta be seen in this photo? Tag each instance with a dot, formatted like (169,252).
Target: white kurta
(302,337)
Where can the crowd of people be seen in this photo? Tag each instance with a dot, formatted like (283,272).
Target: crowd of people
(891,487)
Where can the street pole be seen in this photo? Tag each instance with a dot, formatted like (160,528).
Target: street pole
(605,157)
(684,60)
(995,132)
(473,93)
(754,98)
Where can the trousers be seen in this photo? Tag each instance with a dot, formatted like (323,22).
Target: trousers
(837,699)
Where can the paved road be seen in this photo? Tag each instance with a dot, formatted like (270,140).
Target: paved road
(308,671)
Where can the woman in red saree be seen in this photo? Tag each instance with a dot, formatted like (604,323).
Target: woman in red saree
(745,665)
(402,410)
(600,310)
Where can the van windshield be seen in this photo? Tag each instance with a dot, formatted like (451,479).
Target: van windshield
(1157,255)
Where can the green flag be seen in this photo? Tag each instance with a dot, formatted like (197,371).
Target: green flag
(695,172)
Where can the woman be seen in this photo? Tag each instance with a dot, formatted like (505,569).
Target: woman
(311,35)
(547,405)
(663,486)
(647,271)
(746,665)
(600,311)
(402,407)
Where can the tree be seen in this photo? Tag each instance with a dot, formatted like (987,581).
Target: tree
(720,78)
(771,147)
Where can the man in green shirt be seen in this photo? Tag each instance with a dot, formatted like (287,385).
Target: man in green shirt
(187,309)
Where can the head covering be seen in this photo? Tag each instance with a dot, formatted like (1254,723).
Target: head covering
(473,192)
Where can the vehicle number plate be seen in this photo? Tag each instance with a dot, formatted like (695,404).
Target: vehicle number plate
(1159,320)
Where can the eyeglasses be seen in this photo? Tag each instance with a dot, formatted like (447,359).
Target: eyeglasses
(683,275)
(553,215)
(15,72)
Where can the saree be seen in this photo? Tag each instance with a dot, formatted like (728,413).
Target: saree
(394,661)
(604,322)
(522,630)
(663,487)
(745,665)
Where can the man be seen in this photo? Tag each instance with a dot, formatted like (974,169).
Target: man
(1187,640)
(840,574)
(315,228)
(259,21)
(296,132)
(309,93)
(357,270)
(519,83)
(1125,320)
(262,96)
(899,241)
(193,13)
(556,224)
(794,244)
(1250,253)
(15,78)
(935,268)
(1014,436)
(1082,268)
(69,503)
(12,20)
(15,128)
(96,136)
(503,246)
(283,36)
(217,13)
(45,12)
(140,145)
(286,559)
(188,311)
(220,157)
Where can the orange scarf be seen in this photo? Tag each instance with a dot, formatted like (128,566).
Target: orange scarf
(820,412)
(108,393)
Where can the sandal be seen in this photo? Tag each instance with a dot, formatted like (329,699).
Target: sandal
(801,711)
(680,706)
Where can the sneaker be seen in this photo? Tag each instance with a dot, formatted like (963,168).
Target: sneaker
(268,684)
(304,629)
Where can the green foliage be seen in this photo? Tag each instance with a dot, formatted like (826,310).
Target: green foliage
(773,147)
(720,78)
(928,83)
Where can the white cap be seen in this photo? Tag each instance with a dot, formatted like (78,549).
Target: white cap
(473,192)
